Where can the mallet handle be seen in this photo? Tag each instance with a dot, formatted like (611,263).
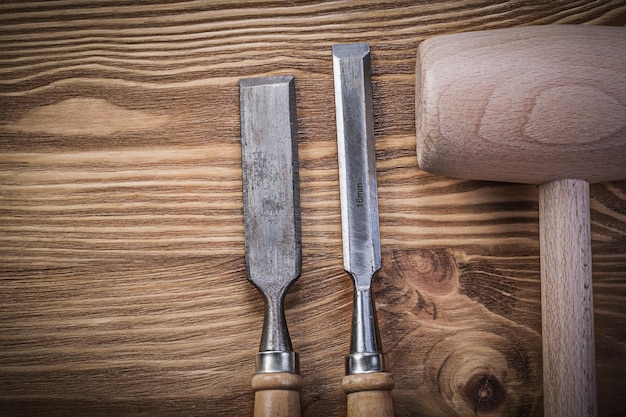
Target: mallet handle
(567,299)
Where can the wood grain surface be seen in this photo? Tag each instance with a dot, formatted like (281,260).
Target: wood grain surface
(122,281)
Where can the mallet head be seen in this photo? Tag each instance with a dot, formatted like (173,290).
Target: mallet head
(526,105)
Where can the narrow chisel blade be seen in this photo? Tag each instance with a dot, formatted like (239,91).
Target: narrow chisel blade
(357,161)
(359,199)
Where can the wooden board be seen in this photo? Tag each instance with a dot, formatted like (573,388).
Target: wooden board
(122,282)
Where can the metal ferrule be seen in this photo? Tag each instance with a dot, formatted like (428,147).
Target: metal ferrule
(277,361)
(363,363)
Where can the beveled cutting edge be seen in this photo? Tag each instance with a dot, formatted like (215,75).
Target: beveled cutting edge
(271,203)
(359,200)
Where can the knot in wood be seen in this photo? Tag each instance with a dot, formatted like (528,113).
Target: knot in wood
(484,392)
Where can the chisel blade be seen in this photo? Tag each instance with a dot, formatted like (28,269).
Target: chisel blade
(357,161)
(359,199)
(271,204)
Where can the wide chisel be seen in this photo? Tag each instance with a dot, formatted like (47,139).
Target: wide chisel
(271,203)
(367,385)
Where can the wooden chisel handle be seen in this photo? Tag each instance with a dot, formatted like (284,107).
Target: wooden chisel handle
(277,394)
(369,395)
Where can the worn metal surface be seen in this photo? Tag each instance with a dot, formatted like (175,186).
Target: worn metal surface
(359,201)
(269,146)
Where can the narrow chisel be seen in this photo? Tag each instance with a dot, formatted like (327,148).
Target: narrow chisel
(271,202)
(367,385)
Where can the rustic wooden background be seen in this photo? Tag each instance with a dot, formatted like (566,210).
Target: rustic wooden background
(122,283)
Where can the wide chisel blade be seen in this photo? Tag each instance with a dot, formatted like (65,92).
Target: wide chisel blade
(360,228)
(273,256)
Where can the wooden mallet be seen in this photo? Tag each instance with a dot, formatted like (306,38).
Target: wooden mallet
(541,105)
